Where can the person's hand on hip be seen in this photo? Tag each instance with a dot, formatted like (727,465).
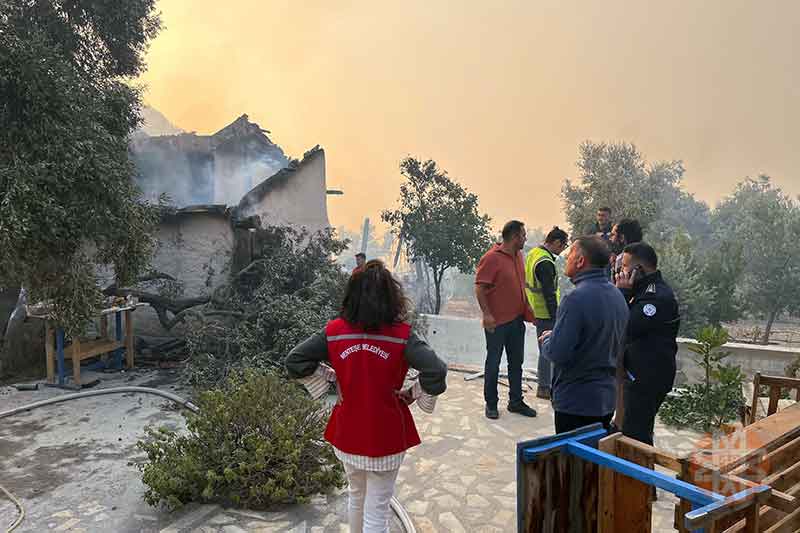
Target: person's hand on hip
(489,323)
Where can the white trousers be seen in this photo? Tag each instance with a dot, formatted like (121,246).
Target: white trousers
(368,503)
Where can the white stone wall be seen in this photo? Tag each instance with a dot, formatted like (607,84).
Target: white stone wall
(461,341)
(752,358)
(195,249)
(298,201)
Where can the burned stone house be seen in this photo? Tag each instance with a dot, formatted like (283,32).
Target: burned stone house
(222,185)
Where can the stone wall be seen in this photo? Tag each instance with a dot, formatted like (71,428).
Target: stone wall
(296,196)
(195,247)
(461,341)
(752,358)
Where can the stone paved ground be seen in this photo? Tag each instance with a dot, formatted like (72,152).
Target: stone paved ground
(462,478)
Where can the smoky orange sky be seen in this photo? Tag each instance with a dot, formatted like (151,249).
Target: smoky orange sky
(499,93)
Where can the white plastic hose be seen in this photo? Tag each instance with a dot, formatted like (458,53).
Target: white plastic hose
(397,508)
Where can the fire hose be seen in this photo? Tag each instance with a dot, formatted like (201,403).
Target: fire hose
(395,505)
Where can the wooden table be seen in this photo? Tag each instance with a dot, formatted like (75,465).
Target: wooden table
(77,351)
(765,452)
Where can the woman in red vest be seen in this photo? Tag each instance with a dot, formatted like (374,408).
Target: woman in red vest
(369,350)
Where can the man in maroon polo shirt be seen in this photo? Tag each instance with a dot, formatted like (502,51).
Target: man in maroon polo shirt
(500,289)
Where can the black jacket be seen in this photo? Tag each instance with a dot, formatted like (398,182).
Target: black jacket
(595,228)
(652,329)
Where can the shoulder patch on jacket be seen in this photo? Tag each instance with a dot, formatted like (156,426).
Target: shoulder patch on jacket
(651,289)
(649,310)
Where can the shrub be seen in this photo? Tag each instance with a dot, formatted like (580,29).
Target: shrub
(256,442)
(287,294)
(715,401)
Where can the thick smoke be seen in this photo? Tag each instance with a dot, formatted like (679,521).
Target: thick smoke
(190,172)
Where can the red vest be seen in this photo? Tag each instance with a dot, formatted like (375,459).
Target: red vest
(371,420)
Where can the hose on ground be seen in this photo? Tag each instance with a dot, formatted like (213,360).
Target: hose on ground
(397,508)
(100,392)
(21,516)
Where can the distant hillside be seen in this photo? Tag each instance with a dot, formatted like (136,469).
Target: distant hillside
(156,124)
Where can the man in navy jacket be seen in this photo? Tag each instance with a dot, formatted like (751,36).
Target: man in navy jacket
(588,336)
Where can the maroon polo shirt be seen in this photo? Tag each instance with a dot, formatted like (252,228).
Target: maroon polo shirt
(505,276)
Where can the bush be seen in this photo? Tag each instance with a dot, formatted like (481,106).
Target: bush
(287,294)
(256,442)
(715,401)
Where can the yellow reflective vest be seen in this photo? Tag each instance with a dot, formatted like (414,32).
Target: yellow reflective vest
(533,287)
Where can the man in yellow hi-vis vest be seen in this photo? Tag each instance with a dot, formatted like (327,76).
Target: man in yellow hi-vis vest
(544,295)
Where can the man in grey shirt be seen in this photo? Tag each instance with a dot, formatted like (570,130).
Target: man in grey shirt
(588,336)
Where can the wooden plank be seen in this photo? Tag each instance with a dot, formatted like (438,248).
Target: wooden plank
(659,457)
(684,506)
(561,487)
(780,480)
(591,473)
(752,519)
(754,403)
(50,351)
(86,350)
(606,503)
(777,499)
(533,496)
(768,433)
(775,461)
(129,339)
(767,517)
(633,498)
(788,524)
(548,514)
(722,511)
(780,381)
(774,396)
(575,489)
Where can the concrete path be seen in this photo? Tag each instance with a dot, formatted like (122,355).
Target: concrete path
(72,465)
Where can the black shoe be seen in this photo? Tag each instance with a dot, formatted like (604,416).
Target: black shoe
(522,408)
(491,412)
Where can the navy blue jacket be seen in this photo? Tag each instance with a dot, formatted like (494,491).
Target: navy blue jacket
(588,336)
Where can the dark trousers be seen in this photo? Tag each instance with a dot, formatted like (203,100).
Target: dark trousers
(510,336)
(642,403)
(566,422)
(544,367)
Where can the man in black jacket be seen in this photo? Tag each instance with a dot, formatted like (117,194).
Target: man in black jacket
(650,346)
(602,225)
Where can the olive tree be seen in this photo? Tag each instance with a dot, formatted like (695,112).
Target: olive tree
(438,221)
(68,205)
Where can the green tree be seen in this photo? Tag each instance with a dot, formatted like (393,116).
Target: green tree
(682,212)
(68,205)
(722,274)
(684,273)
(439,222)
(766,224)
(616,175)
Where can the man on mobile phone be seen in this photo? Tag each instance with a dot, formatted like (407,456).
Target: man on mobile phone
(625,232)
(650,347)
